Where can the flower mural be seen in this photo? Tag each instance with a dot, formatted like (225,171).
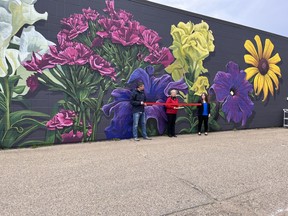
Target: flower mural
(15,126)
(156,90)
(264,66)
(200,86)
(192,43)
(88,73)
(94,53)
(232,90)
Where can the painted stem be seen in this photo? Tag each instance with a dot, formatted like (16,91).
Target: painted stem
(8,101)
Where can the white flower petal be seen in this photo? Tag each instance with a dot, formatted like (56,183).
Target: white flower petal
(15,40)
(23,13)
(24,74)
(12,57)
(3,63)
(32,41)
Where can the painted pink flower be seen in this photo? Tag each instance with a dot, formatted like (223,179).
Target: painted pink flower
(127,36)
(121,14)
(109,26)
(140,56)
(162,56)
(99,64)
(97,42)
(124,15)
(75,24)
(110,8)
(77,55)
(32,82)
(72,137)
(89,132)
(90,14)
(39,63)
(65,118)
(63,39)
(149,38)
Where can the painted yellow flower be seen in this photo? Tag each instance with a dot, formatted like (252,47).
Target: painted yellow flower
(192,43)
(264,68)
(200,86)
(177,69)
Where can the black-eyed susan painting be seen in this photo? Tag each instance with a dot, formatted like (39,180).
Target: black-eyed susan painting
(67,70)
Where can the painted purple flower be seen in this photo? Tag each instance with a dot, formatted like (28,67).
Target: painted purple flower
(232,89)
(75,24)
(76,55)
(64,118)
(99,64)
(39,63)
(127,36)
(160,56)
(32,82)
(90,14)
(156,90)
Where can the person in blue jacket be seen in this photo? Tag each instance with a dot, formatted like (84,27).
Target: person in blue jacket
(203,113)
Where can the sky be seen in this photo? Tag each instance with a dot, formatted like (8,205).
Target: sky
(267,15)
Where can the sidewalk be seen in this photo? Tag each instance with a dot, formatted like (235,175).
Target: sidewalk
(226,173)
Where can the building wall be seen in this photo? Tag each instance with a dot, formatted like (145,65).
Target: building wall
(68,77)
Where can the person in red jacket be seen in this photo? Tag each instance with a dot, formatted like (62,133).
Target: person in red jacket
(171,111)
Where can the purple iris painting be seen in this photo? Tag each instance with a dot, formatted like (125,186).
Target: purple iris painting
(156,90)
(232,89)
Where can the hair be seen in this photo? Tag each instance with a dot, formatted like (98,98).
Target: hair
(139,84)
(206,97)
(173,90)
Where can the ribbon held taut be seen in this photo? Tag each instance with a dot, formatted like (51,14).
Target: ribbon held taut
(169,104)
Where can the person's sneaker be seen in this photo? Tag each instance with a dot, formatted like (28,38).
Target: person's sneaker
(199,134)
(147,138)
(136,139)
(206,133)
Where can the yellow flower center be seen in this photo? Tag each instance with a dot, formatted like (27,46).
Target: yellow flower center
(263,66)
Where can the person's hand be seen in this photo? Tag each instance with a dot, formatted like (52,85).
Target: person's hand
(145,104)
(209,115)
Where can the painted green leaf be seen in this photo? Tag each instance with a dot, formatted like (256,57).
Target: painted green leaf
(18,115)
(19,89)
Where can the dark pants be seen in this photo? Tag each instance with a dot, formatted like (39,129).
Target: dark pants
(171,124)
(202,118)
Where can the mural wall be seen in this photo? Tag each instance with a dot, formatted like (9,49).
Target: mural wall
(67,70)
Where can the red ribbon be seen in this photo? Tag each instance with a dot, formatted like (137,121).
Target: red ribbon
(169,104)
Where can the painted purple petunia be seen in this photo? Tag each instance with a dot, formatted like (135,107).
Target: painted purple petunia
(232,89)
(156,90)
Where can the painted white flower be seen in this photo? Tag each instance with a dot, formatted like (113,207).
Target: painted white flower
(23,12)
(13,15)
(5,35)
(31,41)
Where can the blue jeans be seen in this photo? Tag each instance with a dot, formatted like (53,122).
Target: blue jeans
(142,117)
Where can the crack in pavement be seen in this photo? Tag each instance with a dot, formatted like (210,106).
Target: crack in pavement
(189,208)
